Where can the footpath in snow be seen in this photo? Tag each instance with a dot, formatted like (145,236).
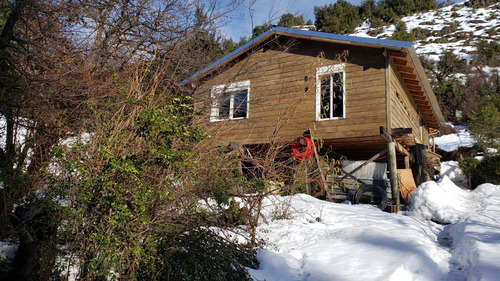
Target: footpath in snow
(320,241)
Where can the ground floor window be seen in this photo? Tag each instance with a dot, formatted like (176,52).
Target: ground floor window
(330,92)
(230,101)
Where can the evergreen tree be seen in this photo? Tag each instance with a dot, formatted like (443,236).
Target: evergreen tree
(259,29)
(368,9)
(289,20)
(341,17)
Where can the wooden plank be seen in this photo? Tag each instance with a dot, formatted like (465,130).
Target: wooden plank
(406,69)
(407,185)
(414,87)
(399,54)
(354,140)
(412,82)
(401,61)
(409,76)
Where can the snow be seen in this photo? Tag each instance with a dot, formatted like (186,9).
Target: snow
(463,27)
(320,241)
(329,241)
(475,247)
(451,170)
(7,250)
(452,142)
(444,202)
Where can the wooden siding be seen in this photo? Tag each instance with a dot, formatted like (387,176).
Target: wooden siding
(404,111)
(282,101)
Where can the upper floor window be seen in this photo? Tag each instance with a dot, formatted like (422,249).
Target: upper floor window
(230,101)
(330,92)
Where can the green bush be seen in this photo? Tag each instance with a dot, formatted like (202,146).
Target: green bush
(135,193)
(490,51)
(485,171)
(204,256)
(402,34)
(485,126)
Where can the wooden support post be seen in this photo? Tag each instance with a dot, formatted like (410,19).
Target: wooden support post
(393,172)
(407,162)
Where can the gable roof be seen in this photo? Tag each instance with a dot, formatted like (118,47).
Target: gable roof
(409,63)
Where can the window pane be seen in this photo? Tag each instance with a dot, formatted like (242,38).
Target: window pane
(224,102)
(338,95)
(240,105)
(325,97)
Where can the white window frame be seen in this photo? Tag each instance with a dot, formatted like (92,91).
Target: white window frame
(329,70)
(232,88)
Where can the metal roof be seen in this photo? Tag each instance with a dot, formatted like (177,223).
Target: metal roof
(354,40)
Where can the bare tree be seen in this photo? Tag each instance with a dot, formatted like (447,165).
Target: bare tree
(60,63)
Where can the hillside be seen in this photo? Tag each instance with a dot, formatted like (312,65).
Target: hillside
(458,28)
(460,50)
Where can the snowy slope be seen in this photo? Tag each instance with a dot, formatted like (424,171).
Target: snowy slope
(476,240)
(322,241)
(349,242)
(454,28)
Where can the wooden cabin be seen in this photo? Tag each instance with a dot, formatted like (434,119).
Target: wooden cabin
(355,94)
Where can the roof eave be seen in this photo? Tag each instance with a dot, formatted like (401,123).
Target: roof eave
(426,85)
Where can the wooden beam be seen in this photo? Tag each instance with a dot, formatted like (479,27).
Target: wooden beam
(412,82)
(406,69)
(401,131)
(399,54)
(406,140)
(417,96)
(409,76)
(414,87)
(385,134)
(389,138)
(400,61)
(422,103)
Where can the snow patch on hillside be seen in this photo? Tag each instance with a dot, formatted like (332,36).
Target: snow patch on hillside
(452,142)
(455,28)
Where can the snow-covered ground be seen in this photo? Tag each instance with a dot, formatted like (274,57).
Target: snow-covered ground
(322,241)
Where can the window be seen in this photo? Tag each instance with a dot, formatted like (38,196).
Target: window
(230,101)
(330,92)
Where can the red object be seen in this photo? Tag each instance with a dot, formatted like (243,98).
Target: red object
(303,153)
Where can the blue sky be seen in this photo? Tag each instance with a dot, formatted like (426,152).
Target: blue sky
(239,22)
